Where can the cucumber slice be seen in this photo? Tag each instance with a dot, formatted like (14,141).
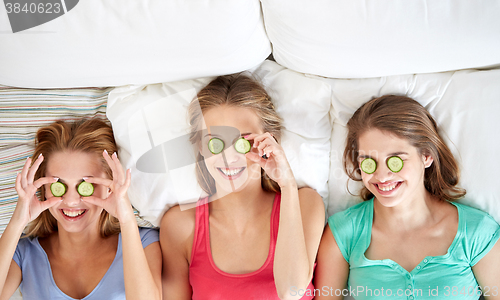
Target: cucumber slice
(215,145)
(242,145)
(85,189)
(57,189)
(368,165)
(395,164)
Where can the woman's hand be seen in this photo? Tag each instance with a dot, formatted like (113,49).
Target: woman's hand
(29,207)
(276,165)
(117,203)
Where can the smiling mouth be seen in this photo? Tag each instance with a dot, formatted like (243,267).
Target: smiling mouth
(231,171)
(388,187)
(73,213)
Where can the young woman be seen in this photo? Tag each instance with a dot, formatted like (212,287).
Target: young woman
(407,240)
(84,243)
(256,236)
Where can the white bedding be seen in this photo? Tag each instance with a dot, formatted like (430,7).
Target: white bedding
(113,43)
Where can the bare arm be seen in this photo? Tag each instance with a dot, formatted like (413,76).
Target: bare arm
(302,216)
(487,272)
(10,273)
(27,209)
(140,266)
(176,236)
(332,270)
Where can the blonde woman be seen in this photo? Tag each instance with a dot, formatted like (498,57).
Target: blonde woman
(256,235)
(77,246)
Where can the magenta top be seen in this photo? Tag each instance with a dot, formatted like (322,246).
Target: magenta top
(209,282)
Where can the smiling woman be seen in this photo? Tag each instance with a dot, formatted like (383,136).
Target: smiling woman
(78,244)
(256,235)
(407,240)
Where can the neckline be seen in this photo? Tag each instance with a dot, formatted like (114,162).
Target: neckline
(369,225)
(118,250)
(270,254)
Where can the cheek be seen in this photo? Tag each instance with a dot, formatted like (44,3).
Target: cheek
(366,179)
(254,169)
(209,163)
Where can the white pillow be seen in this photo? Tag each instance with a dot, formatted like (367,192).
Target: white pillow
(360,39)
(112,43)
(161,110)
(465,104)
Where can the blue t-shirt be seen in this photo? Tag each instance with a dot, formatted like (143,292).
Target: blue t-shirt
(447,276)
(38,282)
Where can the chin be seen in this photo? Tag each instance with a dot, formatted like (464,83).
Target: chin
(392,202)
(225,186)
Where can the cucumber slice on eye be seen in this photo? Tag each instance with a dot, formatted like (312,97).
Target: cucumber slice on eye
(395,164)
(57,189)
(368,165)
(215,145)
(85,189)
(242,145)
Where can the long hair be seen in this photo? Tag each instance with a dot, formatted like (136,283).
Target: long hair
(235,90)
(407,119)
(85,135)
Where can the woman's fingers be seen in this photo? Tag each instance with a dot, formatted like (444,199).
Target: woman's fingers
(110,162)
(95,201)
(251,136)
(97,180)
(261,141)
(259,138)
(34,168)
(256,158)
(18,186)
(49,202)
(121,177)
(265,147)
(116,167)
(24,172)
(128,179)
(44,180)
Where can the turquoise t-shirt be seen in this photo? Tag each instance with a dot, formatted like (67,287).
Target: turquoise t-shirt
(38,282)
(447,276)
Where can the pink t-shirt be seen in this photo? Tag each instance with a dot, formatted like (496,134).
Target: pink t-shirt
(209,282)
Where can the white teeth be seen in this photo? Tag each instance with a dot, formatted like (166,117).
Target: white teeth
(231,172)
(388,188)
(73,213)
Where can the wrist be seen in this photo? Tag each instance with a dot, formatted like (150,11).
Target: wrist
(128,218)
(18,219)
(289,187)
(18,223)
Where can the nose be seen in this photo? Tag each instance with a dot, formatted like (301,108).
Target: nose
(383,173)
(71,198)
(232,156)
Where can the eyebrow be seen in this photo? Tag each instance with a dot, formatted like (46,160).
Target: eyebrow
(217,135)
(61,180)
(389,155)
(211,134)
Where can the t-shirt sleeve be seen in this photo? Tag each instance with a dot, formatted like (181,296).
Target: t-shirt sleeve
(342,228)
(22,251)
(18,257)
(482,234)
(148,236)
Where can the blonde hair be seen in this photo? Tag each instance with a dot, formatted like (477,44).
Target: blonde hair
(235,90)
(86,135)
(408,120)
